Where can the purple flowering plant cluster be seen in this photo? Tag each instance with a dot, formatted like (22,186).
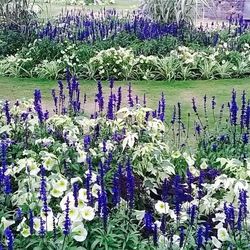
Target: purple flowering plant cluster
(123,177)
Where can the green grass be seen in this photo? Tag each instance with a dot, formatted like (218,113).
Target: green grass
(180,91)
(54,9)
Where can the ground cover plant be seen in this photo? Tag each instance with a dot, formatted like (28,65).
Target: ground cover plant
(74,181)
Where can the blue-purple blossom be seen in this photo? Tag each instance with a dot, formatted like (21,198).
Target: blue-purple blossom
(43,190)
(119,99)
(9,238)
(199,238)
(130,185)
(155,235)
(130,97)
(42,228)
(67,222)
(75,193)
(148,222)
(182,236)
(38,105)
(6,110)
(31,222)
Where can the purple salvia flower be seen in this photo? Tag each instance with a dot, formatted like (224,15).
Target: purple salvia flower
(130,98)
(19,214)
(31,222)
(43,190)
(163,107)
(67,222)
(245,138)
(116,187)
(190,180)
(148,221)
(147,116)
(110,111)
(233,109)
(9,238)
(38,105)
(103,207)
(230,215)
(86,142)
(6,110)
(111,84)
(54,229)
(207,232)
(177,195)
(7,184)
(119,99)
(42,228)
(99,96)
(130,185)
(75,193)
(243,109)
(247,116)
(199,238)
(182,237)
(242,210)
(192,213)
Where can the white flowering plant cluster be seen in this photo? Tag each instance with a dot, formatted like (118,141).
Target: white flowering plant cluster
(182,63)
(73,182)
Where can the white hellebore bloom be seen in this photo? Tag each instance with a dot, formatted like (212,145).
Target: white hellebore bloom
(162,207)
(88,213)
(79,233)
(222,234)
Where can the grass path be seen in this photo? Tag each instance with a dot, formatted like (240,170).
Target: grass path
(181,91)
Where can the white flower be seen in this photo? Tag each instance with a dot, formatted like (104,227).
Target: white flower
(82,156)
(74,180)
(74,214)
(56,192)
(216,242)
(162,207)
(25,232)
(61,185)
(79,233)
(222,234)
(82,194)
(204,164)
(87,213)
(6,223)
(95,190)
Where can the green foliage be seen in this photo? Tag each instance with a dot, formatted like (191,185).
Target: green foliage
(172,10)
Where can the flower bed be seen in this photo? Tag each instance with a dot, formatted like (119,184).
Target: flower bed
(125,177)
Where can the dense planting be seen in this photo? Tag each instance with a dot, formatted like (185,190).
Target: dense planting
(127,177)
(89,43)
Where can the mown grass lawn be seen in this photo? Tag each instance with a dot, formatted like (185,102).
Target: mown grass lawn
(179,91)
(54,9)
